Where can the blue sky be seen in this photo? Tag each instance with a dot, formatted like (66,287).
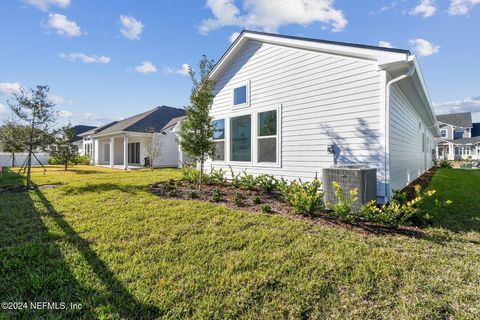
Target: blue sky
(107,60)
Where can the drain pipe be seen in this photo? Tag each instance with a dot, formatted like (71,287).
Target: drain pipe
(408,74)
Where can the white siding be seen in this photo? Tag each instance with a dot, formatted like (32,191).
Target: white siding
(322,99)
(407,160)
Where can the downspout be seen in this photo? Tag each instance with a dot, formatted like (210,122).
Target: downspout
(408,74)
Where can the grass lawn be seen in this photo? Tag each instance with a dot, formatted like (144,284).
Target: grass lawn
(104,241)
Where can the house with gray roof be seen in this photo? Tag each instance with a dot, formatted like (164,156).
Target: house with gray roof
(124,144)
(459,137)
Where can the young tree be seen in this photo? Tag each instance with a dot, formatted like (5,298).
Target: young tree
(152,144)
(35,109)
(196,132)
(13,138)
(62,149)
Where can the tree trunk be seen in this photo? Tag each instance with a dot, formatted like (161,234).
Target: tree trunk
(29,167)
(201,175)
(66,164)
(13,159)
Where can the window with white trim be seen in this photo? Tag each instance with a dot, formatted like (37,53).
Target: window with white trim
(443,133)
(241,95)
(267,136)
(219,138)
(241,138)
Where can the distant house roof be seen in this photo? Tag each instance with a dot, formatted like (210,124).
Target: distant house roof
(152,120)
(79,129)
(463,119)
(173,122)
(97,129)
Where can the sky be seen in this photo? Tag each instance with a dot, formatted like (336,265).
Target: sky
(110,59)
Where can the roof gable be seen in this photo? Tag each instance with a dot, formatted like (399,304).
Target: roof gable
(152,120)
(463,119)
(381,55)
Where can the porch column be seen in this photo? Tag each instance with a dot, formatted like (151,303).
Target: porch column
(125,152)
(94,142)
(451,151)
(112,153)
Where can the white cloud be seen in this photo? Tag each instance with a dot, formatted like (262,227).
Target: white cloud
(132,28)
(426,8)
(3,109)
(423,47)
(461,7)
(234,36)
(471,104)
(9,88)
(269,15)
(184,70)
(385,44)
(56,99)
(44,5)
(146,67)
(85,58)
(86,118)
(63,26)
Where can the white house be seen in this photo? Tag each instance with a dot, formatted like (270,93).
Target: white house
(459,137)
(281,103)
(122,144)
(78,140)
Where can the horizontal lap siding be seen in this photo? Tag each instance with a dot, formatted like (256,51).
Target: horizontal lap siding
(407,161)
(324,99)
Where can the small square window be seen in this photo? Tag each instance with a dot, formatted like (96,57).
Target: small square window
(240,95)
(443,133)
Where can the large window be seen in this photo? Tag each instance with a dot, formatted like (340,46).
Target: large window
(240,95)
(267,136)
(443,133)
(219,138)
(134,152)
(240,138)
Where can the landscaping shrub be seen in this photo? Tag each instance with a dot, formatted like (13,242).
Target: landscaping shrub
(238,199)
(303,197)
(256,200)
(445,164)
(170,188)
(190,174)
(235,178)
(267,183)
(399,211)
(217,177)
(216,195)
(82,160)
(343,208)
(248,181)
(266,208)
(192,194)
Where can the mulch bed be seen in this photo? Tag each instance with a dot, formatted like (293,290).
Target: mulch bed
(184,188)
(423,181)
(16,189)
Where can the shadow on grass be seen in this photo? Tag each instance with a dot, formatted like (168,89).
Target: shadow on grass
(102,187)
(11,178)
(34,269)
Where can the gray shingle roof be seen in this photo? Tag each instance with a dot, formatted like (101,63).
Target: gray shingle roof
(79,129)
(463,119)
(97,129)
(152,120)
(471,140)
(173,122)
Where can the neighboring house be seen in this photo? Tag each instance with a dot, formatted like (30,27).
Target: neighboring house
(459,137)
(122,143)
(78,140)
(281,103)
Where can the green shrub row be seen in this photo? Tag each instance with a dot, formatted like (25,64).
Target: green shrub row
(306,198)
(82,160)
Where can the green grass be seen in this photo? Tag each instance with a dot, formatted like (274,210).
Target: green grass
(104,241)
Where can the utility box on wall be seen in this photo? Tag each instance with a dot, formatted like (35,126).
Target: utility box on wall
(351,177)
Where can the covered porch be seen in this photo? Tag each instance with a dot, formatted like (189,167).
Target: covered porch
(118,151)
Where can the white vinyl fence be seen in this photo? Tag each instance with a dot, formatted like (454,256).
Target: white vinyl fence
(6,159)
